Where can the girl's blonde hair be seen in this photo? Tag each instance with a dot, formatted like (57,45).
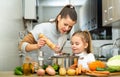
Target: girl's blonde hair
(86,37)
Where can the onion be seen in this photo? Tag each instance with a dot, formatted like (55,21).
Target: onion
(40,72)
(50,70)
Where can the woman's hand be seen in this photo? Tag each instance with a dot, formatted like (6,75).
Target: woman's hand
(41,42)
(57,49)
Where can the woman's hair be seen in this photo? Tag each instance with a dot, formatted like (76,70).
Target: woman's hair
(67,10)
(86,37)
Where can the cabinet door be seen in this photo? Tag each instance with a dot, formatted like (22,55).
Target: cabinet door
(116,9)
(110,10)
(105,12)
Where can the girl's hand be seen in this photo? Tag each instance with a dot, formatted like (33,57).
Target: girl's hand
(41,42)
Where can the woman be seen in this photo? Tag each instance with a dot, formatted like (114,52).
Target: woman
(55,31)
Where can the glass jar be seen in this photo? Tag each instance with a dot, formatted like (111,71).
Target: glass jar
(27,66)
(26,69)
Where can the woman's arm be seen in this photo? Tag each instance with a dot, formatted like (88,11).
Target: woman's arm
(31,43)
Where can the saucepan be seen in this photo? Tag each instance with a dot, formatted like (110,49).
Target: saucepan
(65,60)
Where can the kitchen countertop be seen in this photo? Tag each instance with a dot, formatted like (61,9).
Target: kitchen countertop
(11,74)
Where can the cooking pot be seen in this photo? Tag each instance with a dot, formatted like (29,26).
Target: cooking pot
(64,60)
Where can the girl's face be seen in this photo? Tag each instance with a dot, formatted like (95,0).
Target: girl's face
(77,44)
(65,24)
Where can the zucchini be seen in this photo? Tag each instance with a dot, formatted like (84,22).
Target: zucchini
(17,72)
(105,69)
(110,70)
(100,69)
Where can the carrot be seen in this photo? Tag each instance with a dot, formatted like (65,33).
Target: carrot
(76,71)
(79,69)
(75,61)
(88,71)
(83,70)
(74,66)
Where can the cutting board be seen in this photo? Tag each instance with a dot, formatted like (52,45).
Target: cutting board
(115,73)
(103,75)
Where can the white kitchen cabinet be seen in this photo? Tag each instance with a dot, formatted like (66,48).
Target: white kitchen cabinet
(30,9)
(110,11)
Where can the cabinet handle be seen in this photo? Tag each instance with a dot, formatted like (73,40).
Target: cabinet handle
(110,10)
(105,16)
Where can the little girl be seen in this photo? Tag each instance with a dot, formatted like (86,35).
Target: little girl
(81,46)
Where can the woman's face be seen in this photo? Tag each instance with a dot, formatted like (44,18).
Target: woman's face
(65,24)
(77,44)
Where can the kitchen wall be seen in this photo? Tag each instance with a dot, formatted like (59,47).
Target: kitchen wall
(10,25)
(116,32)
